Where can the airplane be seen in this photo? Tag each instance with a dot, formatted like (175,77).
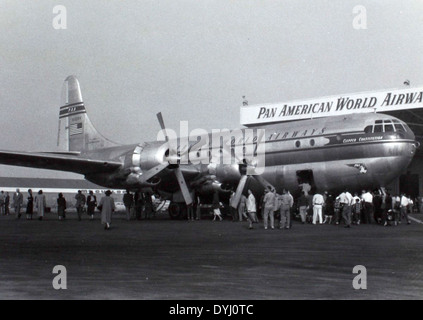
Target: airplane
(360,151)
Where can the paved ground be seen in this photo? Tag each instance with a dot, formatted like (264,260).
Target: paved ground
(164,259)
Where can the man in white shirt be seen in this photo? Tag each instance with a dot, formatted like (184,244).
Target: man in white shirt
(318,202)
(367,198)
(251,208)
(404,207)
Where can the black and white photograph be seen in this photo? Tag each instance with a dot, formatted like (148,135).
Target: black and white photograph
(212,155)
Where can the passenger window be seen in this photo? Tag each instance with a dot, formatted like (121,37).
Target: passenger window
(378,128)
(378,121)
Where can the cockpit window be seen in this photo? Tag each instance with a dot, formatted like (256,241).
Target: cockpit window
(386,126)
(389,128)
(378,128)
(368,129)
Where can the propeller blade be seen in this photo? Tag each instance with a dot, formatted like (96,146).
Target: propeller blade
(153,171)
(183,185)
(238,193)
(162,125)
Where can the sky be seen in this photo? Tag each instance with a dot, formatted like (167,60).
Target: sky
(192,60)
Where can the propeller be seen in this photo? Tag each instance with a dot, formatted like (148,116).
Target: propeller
(245,168)
(177,170)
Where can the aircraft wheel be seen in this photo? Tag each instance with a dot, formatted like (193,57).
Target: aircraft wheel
(177,210)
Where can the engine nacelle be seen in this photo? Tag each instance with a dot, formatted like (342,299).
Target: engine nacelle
(225,173)
(143,158)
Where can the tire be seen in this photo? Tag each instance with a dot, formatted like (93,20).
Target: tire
(177,211)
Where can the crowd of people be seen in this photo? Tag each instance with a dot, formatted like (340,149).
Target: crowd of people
(367,208)
(326,208)
(136,205)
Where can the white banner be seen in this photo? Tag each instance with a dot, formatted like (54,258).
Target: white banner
(381,101)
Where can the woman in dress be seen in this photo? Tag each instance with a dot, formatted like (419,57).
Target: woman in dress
(216,207)
(40,202)
(107,206)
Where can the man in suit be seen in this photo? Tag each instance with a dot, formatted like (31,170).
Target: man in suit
(18,202)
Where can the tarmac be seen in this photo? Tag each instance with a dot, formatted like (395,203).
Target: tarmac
(163,259)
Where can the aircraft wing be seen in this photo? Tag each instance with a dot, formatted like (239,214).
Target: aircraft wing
(62,161)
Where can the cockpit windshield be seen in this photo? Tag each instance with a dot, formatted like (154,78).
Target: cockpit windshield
(381,126)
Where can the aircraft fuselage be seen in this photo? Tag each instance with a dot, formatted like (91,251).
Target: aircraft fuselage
(358,151)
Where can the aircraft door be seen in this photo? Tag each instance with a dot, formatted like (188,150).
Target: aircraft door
(306,182)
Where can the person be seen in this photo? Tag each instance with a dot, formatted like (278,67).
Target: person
(303,203)
(241,208)
(40,203)
(107,207)
(318,202)
(377,207)
(91,204)
(367,199)
(198,206)
(18,202)
(233,211)
(138,203)
(396,202)
(345,198)
(356,216)
(305,187)
(148,206)
(269,207)
(329,208)
(286,203)
(190,207)
(216,207)
(2,199)
(128,201)
(80,203)
(388,212)
(261,204)
(404,207)
(356,210)
(411,205)
(61,207)
(251,209)
(6,204)
(29,205)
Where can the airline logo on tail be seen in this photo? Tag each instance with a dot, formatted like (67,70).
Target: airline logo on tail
(72,110)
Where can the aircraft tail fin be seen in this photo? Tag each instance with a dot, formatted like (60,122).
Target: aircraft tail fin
(76,132)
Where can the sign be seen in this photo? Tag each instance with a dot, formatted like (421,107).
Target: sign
(381,101)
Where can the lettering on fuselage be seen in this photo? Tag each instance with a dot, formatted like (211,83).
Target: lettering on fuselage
(362,139)
(280,135)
